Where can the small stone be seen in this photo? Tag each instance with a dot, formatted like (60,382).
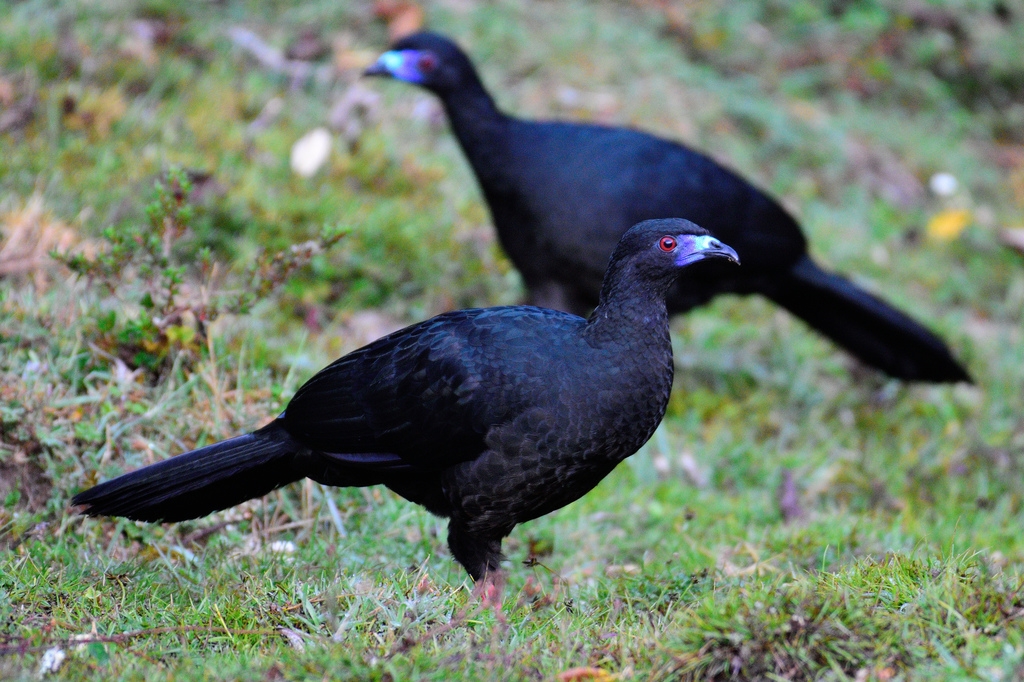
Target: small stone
(51,662)
(943,184)
(310,152)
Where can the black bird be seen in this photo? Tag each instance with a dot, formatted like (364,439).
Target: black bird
(489,417)
(561,194)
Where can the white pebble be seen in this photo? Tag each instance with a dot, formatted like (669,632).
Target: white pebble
(282,547)
(943,184)
(51,662)
(310,152)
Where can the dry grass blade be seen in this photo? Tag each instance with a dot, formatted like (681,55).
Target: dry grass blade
(27,237)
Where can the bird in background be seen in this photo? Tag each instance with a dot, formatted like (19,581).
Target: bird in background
(489,417)
(562,193)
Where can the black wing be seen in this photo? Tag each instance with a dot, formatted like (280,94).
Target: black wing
(426,395)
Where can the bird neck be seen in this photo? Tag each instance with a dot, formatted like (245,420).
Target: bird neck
(474,117)
(630,309)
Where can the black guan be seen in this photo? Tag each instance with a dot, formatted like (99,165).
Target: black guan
(489,417)
(562,193)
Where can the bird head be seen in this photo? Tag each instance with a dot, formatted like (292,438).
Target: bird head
(670,244)
(650,255)
(426,59)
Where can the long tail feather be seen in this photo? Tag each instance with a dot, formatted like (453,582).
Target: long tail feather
(872,330)
(199,482)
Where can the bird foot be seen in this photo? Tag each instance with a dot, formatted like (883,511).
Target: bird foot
(487,594)
(490,591)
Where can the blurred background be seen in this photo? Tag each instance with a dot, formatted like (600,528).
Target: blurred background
(262,210)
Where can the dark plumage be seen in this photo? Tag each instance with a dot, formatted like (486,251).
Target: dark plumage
(562,193)
(489,417)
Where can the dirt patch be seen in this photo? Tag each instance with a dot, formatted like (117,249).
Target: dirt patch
(24,486)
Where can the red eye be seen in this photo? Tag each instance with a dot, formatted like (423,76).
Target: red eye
(426,62)
(667,243)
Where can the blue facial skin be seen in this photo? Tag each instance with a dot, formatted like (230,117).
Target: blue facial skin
(694,248)
(401,64)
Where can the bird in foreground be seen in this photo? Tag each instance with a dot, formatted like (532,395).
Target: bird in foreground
(562,193)
(489,417)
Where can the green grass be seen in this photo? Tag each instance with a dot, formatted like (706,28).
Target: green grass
(907,562)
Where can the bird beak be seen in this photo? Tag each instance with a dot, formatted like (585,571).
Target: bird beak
(695,249)
(378,68)
(398,64)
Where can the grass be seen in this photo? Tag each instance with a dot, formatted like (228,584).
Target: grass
(905,561)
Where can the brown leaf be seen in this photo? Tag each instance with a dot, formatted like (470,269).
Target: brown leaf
(18,115)
(96,111)
(8,92)
(617,570)
(295,638)
(883,172)
(70,51)
(308,47)
(205,188)
(363,326)
(27,236)
(1008,156)
(425,586)
(539,547)
(1013,238)
(402,17)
